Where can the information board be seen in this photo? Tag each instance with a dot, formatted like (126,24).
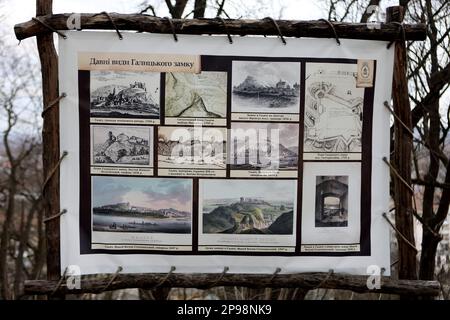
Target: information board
(202,154)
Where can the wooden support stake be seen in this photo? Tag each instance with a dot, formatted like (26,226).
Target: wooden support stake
(289,28)
(50,141)
(401,158)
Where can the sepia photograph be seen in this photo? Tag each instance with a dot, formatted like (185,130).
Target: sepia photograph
(331,201)
(265,87)
(190,95)
(248,206)
(124,94)
(141,205)
(333,109)
(187,148)
(116,145)
(264,146)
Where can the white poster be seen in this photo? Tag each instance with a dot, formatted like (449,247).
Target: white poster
(202,154)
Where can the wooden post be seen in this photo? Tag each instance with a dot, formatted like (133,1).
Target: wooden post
(50,140)
(401,159)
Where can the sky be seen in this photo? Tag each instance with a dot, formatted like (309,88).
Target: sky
(266,73)
(153,193)
(267,189)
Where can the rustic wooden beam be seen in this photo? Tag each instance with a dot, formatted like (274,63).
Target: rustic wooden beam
(289,28)
(401,158)
(50,141)
(307,281)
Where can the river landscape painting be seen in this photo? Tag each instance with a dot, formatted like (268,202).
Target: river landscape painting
(141,205)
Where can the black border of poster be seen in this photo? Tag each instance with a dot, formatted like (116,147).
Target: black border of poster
(224,63)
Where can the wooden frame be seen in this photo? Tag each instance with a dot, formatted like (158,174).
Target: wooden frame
(288,28)
(144,23)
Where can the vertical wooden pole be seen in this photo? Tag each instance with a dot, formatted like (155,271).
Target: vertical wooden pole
(50,137)
(401,159)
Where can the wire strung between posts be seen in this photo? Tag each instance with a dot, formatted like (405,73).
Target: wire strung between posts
(54,216)
(113,278)
(386,104)
(58,285)
(172,27)
(225,270)
(226,29)
(278,29)
(331,25)
(329,275)
(172,269)
(53,103)
(49,27)
(398,175)
(399,233)
(55,168)
(402,33)
(112,22)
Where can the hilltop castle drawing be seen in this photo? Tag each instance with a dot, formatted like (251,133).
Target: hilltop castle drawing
(135,93)
(250,87)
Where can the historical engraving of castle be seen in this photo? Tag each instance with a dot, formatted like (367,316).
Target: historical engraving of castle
(333,112)
(264,149)
(264,90)
(117,95)
(196,98)
(187,151)
(118,149)
(247,215)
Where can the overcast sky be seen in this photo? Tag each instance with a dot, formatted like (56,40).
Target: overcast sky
(151,193)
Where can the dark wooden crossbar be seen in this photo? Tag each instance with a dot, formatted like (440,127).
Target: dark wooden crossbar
(288,28)
(307,281)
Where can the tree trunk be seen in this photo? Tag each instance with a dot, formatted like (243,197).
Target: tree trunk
(199,8)
(26,225)
(4,242)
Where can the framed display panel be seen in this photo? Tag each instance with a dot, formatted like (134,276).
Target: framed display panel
(130,203)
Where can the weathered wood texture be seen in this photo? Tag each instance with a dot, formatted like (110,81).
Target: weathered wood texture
(289,28)
(50,136)
(308,281)
(401,158)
